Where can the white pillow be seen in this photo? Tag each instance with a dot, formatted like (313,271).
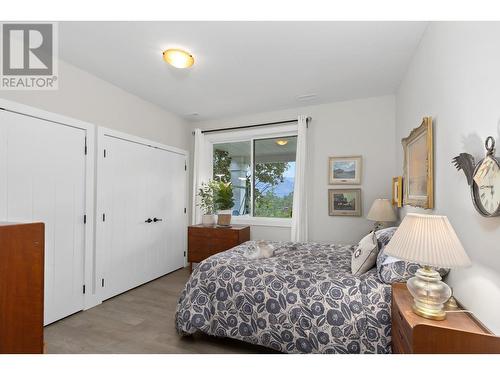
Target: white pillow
(364,256)
(390,260)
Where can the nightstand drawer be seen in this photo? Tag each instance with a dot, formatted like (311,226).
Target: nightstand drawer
(401,328)
(397,347)
(400,341)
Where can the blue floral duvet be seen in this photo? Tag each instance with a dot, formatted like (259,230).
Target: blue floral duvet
(303,299)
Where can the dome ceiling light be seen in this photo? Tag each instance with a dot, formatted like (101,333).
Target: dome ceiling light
(178,58)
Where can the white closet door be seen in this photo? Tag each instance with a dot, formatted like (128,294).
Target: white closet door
(140,183)
(168,204)
(159,206)
(177,217)
(125,189)
(42,178)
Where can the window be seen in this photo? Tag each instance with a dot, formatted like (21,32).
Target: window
(232,162)
(262,173)
(274,176)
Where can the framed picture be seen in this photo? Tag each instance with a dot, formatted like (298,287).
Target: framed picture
(397,191)
(418,166)
(344,170)
(344,202)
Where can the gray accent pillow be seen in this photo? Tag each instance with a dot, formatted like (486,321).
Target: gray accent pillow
(393,270)
(364,256)
(384,236)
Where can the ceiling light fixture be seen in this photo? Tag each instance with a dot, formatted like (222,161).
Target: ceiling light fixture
(178,58)
(307,97)
(281,142)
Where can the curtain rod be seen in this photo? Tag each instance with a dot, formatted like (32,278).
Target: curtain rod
(253,126)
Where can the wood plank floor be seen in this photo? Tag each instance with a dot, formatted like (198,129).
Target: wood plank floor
(138,321)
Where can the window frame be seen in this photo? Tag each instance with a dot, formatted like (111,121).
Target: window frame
(250,135)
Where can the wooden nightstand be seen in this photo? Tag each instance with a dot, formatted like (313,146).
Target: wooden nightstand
(460,332)
(205,241)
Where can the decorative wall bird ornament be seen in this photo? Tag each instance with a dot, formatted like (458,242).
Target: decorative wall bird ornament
(466,163)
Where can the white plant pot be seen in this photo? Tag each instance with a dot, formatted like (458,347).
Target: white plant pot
(208,220)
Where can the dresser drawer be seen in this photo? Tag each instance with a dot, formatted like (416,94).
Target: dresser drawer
(210,233)
(200,248)
(205,241)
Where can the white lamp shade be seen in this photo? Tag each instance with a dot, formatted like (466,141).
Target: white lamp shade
(381,210)
(428,240)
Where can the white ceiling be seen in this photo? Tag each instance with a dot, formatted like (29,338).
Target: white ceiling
(244,67)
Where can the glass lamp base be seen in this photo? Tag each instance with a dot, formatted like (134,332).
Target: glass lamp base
(429,294)
(451,304)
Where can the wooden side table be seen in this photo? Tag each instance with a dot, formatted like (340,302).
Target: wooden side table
(460,332)
(21,288)
(205,241)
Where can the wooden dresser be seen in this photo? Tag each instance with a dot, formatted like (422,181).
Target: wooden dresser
(460,332)
(21,288)
(204,241)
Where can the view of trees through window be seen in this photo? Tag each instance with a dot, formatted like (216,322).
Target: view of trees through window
(272,175)
(273,191)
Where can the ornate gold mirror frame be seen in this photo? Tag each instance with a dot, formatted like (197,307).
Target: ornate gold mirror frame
(418,166)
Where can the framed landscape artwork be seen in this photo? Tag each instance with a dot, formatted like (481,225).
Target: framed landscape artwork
(418,166)
(397,191)
(344,170)
(344,202)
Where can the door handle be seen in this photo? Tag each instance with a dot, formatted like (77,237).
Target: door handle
(156,220)
(148,220)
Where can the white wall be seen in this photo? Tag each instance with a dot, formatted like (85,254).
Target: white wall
(358,127)
(83,96)
(455,77)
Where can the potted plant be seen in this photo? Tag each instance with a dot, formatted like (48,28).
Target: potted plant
(224,202)
(206,203)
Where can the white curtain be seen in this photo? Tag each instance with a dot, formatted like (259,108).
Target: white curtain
(300,228)
(200,169)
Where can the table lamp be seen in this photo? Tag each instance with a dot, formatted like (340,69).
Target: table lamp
(381,211)
(428,240)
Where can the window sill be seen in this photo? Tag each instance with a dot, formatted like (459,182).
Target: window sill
(262,221)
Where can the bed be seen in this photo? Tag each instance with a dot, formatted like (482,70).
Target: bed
(303,299)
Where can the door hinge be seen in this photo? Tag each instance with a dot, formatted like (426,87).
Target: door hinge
(184,209)
(104,152)
(103,217)
(85,145)
(185,167)
(84,219)
(102,283)
(184,253)
(83,288)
